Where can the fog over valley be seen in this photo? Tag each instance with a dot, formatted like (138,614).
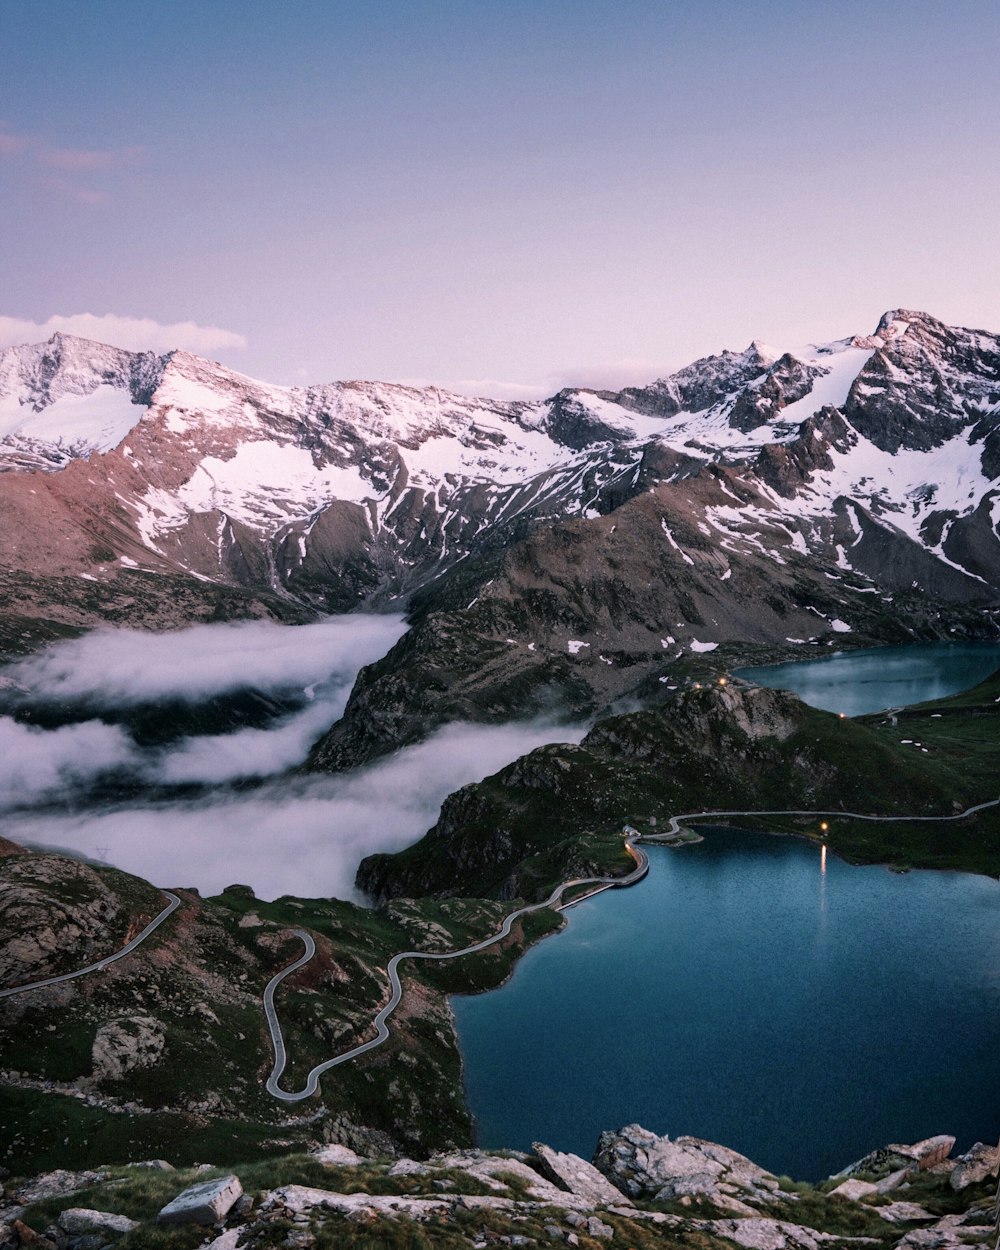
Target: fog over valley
(108,791)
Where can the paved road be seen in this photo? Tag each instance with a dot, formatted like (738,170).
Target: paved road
(675,821)
(600,884)
(101,964)
(392,970)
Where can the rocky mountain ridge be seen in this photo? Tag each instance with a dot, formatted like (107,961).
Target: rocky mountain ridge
(641,1190)
(719,746)
(556,557)
(354,493)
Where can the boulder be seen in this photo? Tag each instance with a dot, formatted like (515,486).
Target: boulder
(123,1045)
(767,1234)
(338,1156)
(930,1239)
(893,1181)
(597,1228)
(854,1190)
(205,1203)
(77,1220)
(642,1164)
(978,1162)
(493,1171)
(301,1199)
(932,1151)
(241,1208)
(26,1236)
(578,1176)
(407,1167)
(226,1240)
(56,1185)
(903,1213)
(925,1154)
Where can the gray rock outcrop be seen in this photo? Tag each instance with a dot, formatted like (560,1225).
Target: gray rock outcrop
(571,1172)
(922,1155)
(903,1213)
(56,1184)
(854,1190)
(979,1162)
(206,1203)
(121,1046)
(334,1155)
(643,1165)
(81,1220)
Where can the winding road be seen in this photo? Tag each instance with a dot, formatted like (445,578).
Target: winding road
(392,971)
(600,883)
(101,964)
(675,821)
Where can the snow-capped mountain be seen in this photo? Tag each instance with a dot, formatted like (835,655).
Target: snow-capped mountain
(878,454)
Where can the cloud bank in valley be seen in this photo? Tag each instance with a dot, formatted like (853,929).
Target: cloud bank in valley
(113,667)
(301,836)
(292,834)
(38,762)
(109,669)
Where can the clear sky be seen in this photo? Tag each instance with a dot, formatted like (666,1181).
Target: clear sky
(476,192)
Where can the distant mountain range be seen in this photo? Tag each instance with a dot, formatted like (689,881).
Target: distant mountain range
(843,492)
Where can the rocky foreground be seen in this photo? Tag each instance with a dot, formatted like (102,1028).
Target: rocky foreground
(640,1190)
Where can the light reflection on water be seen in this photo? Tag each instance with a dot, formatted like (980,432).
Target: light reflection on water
(798,1026)
(802,1027)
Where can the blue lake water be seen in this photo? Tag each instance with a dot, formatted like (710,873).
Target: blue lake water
(758,993)
(858,682)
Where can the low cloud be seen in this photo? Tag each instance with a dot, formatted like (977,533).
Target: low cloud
(303,836)
(612,375)
(74,191)
(39,763)
(112,667)
(85,166)
(210,758)
(11,143)
(85,160)
(291,834)
(133,333)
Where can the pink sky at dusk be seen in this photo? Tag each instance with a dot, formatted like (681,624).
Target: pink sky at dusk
(505,197)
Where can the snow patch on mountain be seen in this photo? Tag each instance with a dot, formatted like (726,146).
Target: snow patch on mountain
(904,486)
(842,364)
(265,478)
(395,484)
(77,425)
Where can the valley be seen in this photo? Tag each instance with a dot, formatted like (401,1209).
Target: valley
(530,614)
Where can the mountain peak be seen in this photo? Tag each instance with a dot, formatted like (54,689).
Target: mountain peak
(759,351)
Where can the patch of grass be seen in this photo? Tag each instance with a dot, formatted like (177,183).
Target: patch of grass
(839,1216)
(44,1130)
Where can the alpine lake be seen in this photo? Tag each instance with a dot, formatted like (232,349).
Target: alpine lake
(757,991)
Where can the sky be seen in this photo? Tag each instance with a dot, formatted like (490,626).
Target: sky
(501,197)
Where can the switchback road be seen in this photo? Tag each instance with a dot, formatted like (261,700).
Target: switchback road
(600,884)
(396,988)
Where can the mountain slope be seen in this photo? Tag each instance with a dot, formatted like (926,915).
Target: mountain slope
(750,499)
(354,493)
(559,810)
